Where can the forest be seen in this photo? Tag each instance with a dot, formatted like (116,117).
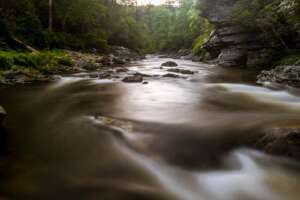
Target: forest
(88,24)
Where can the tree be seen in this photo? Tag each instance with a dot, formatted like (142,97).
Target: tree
(50,27)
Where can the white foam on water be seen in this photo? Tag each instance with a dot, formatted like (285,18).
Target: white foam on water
(264,95)
(249,181)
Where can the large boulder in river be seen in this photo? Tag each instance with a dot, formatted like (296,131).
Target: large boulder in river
(133,79)
(169,64)
(287,75)
(281,142)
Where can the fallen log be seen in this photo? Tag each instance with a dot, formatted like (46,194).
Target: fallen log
(2,115)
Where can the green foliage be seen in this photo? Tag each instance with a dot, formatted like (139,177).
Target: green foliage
(96,24)
(77,24)
(30,30)
(41,61)
(277,20)
(290,59)
(173,28)
(200,41)
(6,62)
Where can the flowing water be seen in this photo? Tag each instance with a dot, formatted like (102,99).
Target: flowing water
(186,138)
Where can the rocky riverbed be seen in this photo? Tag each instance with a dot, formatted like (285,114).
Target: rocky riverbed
(82,63)
(285,75)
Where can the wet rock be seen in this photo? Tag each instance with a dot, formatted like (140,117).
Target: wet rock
(2,115)
(125,54)
(181,71)
(94,75)
(145,82)
(232,57)
(121,70)
(143,75)
(119,61)
(107,60)
(169,64)
(287,75)
(133,79)
(76,70)
(22,77)
(90,65)
(171,75)
(287,145)
(105,75)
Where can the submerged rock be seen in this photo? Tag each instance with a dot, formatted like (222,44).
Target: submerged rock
(133,79)
(105,75)
(287,75)
(171,75)
(181,71)
(94,75)
(169,64)
(121,70)
(143,75)
(282,142)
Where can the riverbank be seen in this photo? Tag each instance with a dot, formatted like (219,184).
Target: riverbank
(44,66)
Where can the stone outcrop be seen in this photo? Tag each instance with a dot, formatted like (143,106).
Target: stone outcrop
(231,43)
(286,75)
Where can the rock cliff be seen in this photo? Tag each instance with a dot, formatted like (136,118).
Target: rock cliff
(231,43)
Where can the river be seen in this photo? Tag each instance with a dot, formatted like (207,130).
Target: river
(188,138)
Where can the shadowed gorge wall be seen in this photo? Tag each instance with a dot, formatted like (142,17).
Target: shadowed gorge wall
(232,43)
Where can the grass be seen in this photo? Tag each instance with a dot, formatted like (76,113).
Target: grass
(45,61)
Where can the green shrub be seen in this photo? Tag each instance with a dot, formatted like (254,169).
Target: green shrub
(65,60)
(41,61)
(55,39)
(29,29)
(292,59)
(6,62)
(26,60)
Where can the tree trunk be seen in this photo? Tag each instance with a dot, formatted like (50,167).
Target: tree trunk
(50,27)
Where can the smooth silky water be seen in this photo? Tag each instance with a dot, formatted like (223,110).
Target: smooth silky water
(186,138)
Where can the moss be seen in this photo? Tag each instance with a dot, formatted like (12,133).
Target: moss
(200,41)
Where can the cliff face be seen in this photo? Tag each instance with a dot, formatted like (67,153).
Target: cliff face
(231,43)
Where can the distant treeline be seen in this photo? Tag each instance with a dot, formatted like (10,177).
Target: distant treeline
(95,24)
